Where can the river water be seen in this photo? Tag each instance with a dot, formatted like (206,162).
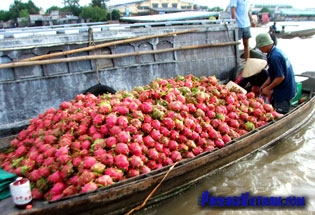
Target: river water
(283,169)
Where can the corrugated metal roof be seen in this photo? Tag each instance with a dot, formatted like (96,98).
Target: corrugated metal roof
(171,16)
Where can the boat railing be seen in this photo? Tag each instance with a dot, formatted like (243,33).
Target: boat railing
(97,27)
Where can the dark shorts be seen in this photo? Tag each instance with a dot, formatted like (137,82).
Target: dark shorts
(282,107)
(244,33)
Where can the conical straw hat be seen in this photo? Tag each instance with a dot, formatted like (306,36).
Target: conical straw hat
(253,66)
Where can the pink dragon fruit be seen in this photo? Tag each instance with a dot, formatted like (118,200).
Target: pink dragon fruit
(122,148)
(55,177)
(135,161)
(111,142)
(145,169)
(66,170)
(62,151)
(44,171)
(88,162)
(86,177)
(111,120)
(153,154)
(123,137)
(176,156)
(114,173)
(57,188)
(89,187)
(98,143)
(123,121)
(73,180)
(146,107)
(37,194)
(133,173)
(148,141)
(135,149)
(121,161)
(34,175)
(70,190)
(104,180)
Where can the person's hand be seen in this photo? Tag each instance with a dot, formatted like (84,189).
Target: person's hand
(265,91)
(261,88)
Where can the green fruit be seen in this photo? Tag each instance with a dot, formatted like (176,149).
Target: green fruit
(249,126)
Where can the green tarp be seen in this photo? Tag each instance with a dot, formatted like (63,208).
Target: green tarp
(5,179)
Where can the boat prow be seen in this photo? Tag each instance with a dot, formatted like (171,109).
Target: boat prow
(299,33)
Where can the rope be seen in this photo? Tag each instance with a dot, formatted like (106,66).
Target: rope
(152,192)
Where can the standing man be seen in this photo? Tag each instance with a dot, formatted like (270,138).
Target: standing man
(281,82)
(240,12)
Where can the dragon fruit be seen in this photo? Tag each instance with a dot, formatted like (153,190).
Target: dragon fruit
(104,180)
(89,187)
(98,168)
(122,148)
(121,161)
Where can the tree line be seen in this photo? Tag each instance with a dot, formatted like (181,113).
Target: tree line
(96,11)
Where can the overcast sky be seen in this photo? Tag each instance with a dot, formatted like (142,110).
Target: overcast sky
(5,4)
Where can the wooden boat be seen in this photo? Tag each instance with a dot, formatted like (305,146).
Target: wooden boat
(299,33)
(124,196)
(158,185)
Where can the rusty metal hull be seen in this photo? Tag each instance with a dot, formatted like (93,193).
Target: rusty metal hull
(125,195)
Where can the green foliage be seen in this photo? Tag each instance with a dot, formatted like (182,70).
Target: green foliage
(52,8)
(115,15)
(24,13)
(76,11)
(217,9)
(94,14)
(72,6)
(31,7)
(18,6)
(265,10)
(98,3)
(71,3)
(4,15)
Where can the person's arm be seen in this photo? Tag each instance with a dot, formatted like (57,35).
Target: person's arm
(265,83)
(233,12)
(252,21)
(268,89)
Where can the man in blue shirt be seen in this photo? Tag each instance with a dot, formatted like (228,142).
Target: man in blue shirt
(281,82)
(240,12)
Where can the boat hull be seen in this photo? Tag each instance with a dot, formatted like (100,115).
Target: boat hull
(125,195)
(292,34)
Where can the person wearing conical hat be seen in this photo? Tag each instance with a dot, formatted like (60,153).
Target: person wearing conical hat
(254,75)
(281,81)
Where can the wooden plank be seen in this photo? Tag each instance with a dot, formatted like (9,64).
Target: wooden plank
(111,56)
(89,48)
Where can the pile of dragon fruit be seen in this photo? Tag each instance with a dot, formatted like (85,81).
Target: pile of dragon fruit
(91,142)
